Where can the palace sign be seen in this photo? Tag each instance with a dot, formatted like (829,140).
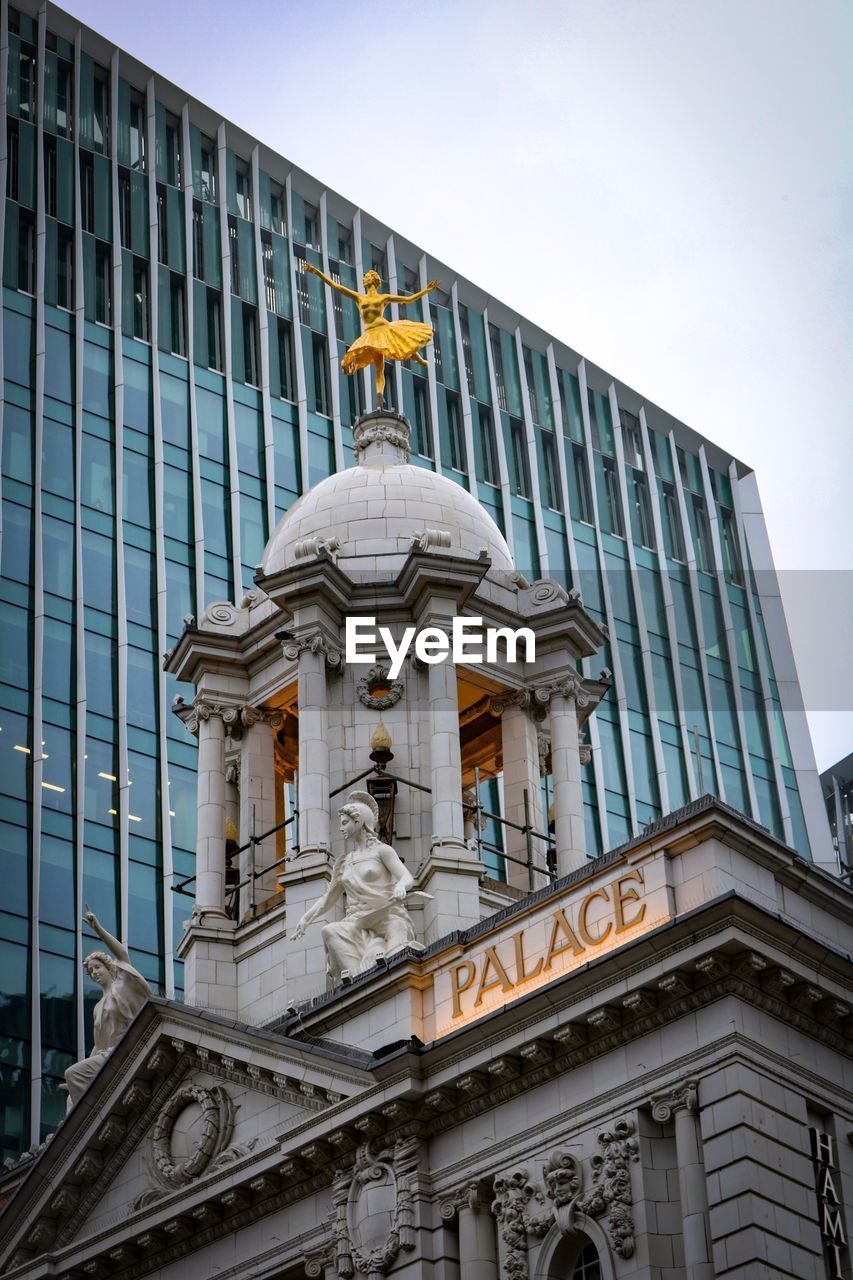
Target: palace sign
(563,935)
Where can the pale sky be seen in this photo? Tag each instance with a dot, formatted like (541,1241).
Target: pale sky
(665,186)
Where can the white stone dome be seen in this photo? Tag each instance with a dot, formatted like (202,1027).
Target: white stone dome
(371,511)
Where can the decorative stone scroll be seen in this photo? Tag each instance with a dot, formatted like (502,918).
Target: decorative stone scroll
(427,539)
(374,1213)
(308,548)
(563,1181)
(375,679)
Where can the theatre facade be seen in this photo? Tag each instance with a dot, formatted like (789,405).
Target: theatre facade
(633,1065)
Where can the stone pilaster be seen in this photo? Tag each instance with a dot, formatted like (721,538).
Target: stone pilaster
(562,699)
(208,720)
(682,1103)
(478,1246)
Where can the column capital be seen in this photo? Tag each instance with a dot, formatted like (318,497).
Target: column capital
(203,709)
(273,716)
(313,642)
(683,1096)
(469,1195)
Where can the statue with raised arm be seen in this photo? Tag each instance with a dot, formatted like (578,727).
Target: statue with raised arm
(374,882)
(125,992)
(381,339)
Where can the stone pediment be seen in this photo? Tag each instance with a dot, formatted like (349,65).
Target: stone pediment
(186,1104)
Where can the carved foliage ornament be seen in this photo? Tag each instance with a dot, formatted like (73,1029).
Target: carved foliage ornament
(611,1185)
(374,1217)
(535,698)
(521,1210)
(377,691)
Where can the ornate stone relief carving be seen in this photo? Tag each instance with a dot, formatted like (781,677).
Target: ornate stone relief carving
(535,698)
(521,1210)
(208,1115)
(378,678)
(563,1181)
(610,1193)
(380,426)
(373,1217)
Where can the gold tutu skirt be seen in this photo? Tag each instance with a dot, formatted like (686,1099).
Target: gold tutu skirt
(392,340)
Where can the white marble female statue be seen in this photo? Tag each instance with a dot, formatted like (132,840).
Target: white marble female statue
(125,992)
(375,883)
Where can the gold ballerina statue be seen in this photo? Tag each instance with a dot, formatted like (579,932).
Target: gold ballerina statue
(381,339)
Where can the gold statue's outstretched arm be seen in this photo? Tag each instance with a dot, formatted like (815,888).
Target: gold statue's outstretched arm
(341,288)
(412,297)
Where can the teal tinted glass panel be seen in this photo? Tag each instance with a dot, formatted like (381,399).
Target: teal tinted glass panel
(56,882)
(16,649)
(58,558)
(17,554)
(177,504)
(183,807)
(15,746)
(100,675)
(174,406)
(58,365)
(58,769)
(216,508)
(140,586)
(17,443)
(19,353)
(101,785)
(143,797)
(142,690)
(179,597)
(58,665)
(99,571)
(249,425)
(97,380)
(210,417)
(97,488)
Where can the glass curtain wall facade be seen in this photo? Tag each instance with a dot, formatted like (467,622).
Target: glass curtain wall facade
(171,383)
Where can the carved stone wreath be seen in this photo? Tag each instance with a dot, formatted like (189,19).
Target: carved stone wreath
(217,1125)
(377,678)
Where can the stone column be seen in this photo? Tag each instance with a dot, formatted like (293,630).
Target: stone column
(683,1103)
(306,878)
(520,750)
(569,830)
(478,1246)
(313,762)
(258,807)
(207,720)
(451,871)
(448,826)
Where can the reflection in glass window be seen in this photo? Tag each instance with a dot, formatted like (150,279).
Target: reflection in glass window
(58,768)
(101,789)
